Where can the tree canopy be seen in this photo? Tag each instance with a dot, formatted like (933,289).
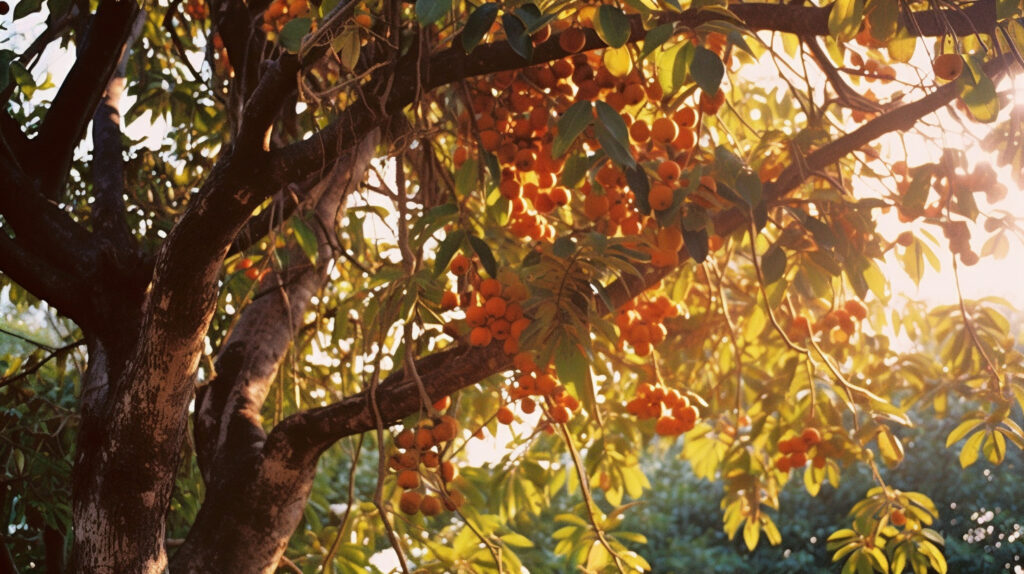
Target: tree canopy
(363,244)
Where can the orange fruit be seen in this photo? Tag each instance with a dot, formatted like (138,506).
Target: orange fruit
(410,502)
(948,67)
(409,479)
(460,264)
(664,131)
(404,439)
(480,337)
(430,505)
(660,197)
(505,416)
(669,171)
(572,40)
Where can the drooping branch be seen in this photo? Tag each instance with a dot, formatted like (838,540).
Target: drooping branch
(76,100)
(451,370)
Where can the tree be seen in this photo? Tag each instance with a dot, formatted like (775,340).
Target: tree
(549,171)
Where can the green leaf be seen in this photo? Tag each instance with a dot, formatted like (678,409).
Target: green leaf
(672,67)
(696,243)
(707,70)
(466,177)
(23,78)
(751,533)
(517,540)
(773,264)
(640,185)
(485,254)
(612,25)
(447,250)
(616,149)
(518,38)
(613,122)
(430,11)
(25,7)
(656,37)
(969,452)
(980,98)
(477,25)
(844,19)
(306,239)
(883,15)
(901,47)
(293,32)
(571,125)
(749,187)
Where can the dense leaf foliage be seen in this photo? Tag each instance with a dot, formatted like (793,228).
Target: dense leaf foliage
(587,231)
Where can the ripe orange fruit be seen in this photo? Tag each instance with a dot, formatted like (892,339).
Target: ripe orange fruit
(448,471)
(948,66)
(505,416)
(410,502)
(490,288)
(811,436)
(686,118)
(669,171)
(856,309)
(424,438)
(480,337)
(495,306)
(430,505)
(709,104)
(408,479)
(476,315)
(460,264)
(404,439)
(639,131)
(664,130)
(430,459)
(572,40)
(595,206)
(560,414)
(449,300)
(799,329)
(897,517)
(670,238)
(445,430)
(660,197)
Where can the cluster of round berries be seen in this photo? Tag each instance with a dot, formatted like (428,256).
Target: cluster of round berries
(418,456)
(793,451)
(197,10)
(841,323)
(673,409)
(641,323)
(535,384)
(494,309)
(280,12)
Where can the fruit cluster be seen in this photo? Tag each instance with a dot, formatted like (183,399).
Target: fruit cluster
(840,323)
(418,456)
(536,384)
(280,12)
(673,410)
(641,323)
(794,451)
(494,309)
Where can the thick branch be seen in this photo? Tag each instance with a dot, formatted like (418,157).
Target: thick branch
(110,223)
(78,96)
(228,423)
